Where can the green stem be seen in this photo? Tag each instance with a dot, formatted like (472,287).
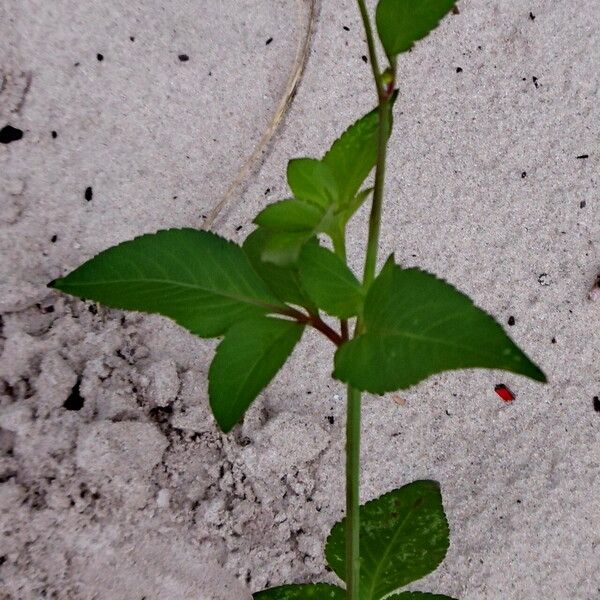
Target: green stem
(352,494)
(354,396)
(364,13)
(375,217)
(339,247)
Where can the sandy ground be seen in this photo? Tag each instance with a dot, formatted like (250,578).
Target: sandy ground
(114,481)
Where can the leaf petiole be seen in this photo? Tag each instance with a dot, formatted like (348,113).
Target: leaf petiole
(314,321)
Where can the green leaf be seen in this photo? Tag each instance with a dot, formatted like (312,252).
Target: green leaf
(283,248)
(315,591)
(418,596)
(290,215)
(403,537)
(245,362)
(283,281)
(200,280)
(354,154)
(312,180)
(356,203)
(400,23)
(329,282)
(417,325)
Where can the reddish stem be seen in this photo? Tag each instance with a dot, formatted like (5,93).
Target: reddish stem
(317,323)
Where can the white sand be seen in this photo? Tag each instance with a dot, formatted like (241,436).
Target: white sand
(99,495)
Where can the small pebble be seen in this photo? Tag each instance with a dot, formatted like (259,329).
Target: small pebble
(544,279)
(163,498)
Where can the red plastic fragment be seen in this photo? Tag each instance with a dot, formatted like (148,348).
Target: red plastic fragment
(504,393)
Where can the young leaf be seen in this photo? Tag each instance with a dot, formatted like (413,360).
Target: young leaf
(245,362)
(354,205)
(418,596)
(283,248)
(314,591)
(400,23)
(312,180)
(403,537)
(417,325)
(283,281)
(200,280)
(290,215)
(353,155)
(329,282)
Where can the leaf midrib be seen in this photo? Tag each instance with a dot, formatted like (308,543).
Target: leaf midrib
(244,299)
(386,553)
(426,339)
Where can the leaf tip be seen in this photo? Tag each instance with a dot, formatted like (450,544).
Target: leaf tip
(540,375)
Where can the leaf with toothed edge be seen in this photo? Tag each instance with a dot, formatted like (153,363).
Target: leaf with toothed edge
(404,536)
(312,180)
(310,591)
(250,355)
(203,282)
(353,155)
(417,325)
(400,23)
(290,215)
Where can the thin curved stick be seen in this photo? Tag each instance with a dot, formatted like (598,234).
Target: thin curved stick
(279,114)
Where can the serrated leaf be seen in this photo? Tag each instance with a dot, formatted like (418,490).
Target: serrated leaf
(315,591)
(283,281)
(418,596)
(403,537)
(417,325)
(246,360)
(400,23)
(290,215)
(312,180)
(200,280)
(354,154)
(329,282)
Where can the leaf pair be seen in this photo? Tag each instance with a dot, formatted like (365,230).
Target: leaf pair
(414,325)
(403,536)
(318,280)
(326,193)
(207,285)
